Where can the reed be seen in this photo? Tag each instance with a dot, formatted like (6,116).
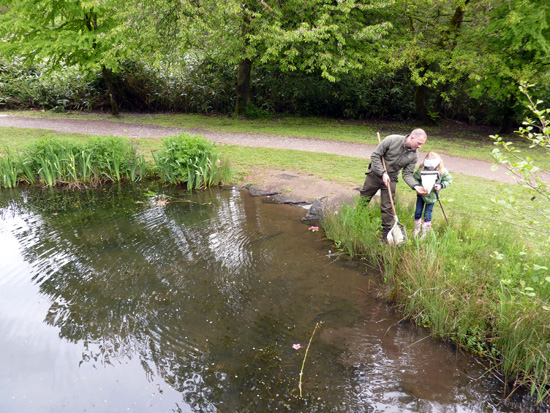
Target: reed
(470,283)
(54,161)
(9,171)
(26,174)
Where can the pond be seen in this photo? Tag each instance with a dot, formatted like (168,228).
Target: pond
(151,299)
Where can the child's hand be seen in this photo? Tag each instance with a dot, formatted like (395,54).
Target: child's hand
(437,187)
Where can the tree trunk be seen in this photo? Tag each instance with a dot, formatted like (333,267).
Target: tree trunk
(420,103)
(107,75)
(243,86)
(507,121)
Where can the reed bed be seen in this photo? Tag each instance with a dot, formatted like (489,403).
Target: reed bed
(55,161)
(185,160)
(470,283)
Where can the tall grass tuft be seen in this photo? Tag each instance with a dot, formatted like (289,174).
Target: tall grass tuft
(191,161)
(469,282)
(9,171)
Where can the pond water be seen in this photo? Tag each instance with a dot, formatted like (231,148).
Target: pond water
(151,299)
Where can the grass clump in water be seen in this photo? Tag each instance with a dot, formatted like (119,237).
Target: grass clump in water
(55,161)
(191,161)
(472,283)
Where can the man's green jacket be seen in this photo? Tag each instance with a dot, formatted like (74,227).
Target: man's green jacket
(397,158)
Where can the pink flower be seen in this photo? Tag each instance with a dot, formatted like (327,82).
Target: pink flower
(296,346)
(312,228)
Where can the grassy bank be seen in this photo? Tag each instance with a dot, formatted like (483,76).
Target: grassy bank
(472,282)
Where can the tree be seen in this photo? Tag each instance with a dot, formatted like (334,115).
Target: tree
(484,45)
(312,35)
(509,43)
(425,39)
(64,33)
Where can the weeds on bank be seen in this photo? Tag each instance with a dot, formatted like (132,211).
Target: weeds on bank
(469,282)
(54,161)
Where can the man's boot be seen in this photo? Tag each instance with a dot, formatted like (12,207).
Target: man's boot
(417,227)
(426,226)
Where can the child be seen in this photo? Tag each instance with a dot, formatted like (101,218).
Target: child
(433,177)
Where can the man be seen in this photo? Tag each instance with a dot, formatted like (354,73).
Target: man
(399,153)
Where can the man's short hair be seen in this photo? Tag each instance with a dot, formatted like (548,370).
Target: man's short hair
(419,133)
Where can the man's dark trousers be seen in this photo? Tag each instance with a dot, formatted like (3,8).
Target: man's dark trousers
(372,184)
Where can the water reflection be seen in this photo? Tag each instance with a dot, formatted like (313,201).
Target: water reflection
(130,304)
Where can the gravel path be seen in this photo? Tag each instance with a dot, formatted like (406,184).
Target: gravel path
(136,130)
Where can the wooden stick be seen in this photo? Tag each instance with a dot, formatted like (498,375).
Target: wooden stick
(441,205)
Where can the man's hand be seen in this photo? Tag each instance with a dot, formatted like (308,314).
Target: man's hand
(386,179)
(420,190)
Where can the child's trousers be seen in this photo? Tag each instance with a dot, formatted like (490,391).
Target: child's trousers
(423,206)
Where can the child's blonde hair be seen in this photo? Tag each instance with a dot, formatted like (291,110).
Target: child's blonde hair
(433,155)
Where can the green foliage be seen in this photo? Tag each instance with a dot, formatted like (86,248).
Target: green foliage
(24,87)
(204,87)
(515,40)
(313,36)
(63,32)
(481,47)
(54,161)
(470,282)
(190,160)
(531,200)
(351,59)
(317,36)
(9,171)
(387,95)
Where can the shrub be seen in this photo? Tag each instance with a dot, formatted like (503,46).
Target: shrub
(190,160)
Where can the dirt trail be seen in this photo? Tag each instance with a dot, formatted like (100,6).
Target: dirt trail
(296,184)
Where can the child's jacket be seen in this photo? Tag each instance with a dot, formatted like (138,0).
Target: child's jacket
(444,179)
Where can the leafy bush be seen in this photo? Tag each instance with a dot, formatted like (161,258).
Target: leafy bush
(387,96)
(190,160)
(201,85)
(23,87)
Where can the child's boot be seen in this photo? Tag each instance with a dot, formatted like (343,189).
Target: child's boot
(426,226)
(417,227)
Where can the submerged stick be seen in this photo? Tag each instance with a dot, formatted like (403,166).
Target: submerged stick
(304,361)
